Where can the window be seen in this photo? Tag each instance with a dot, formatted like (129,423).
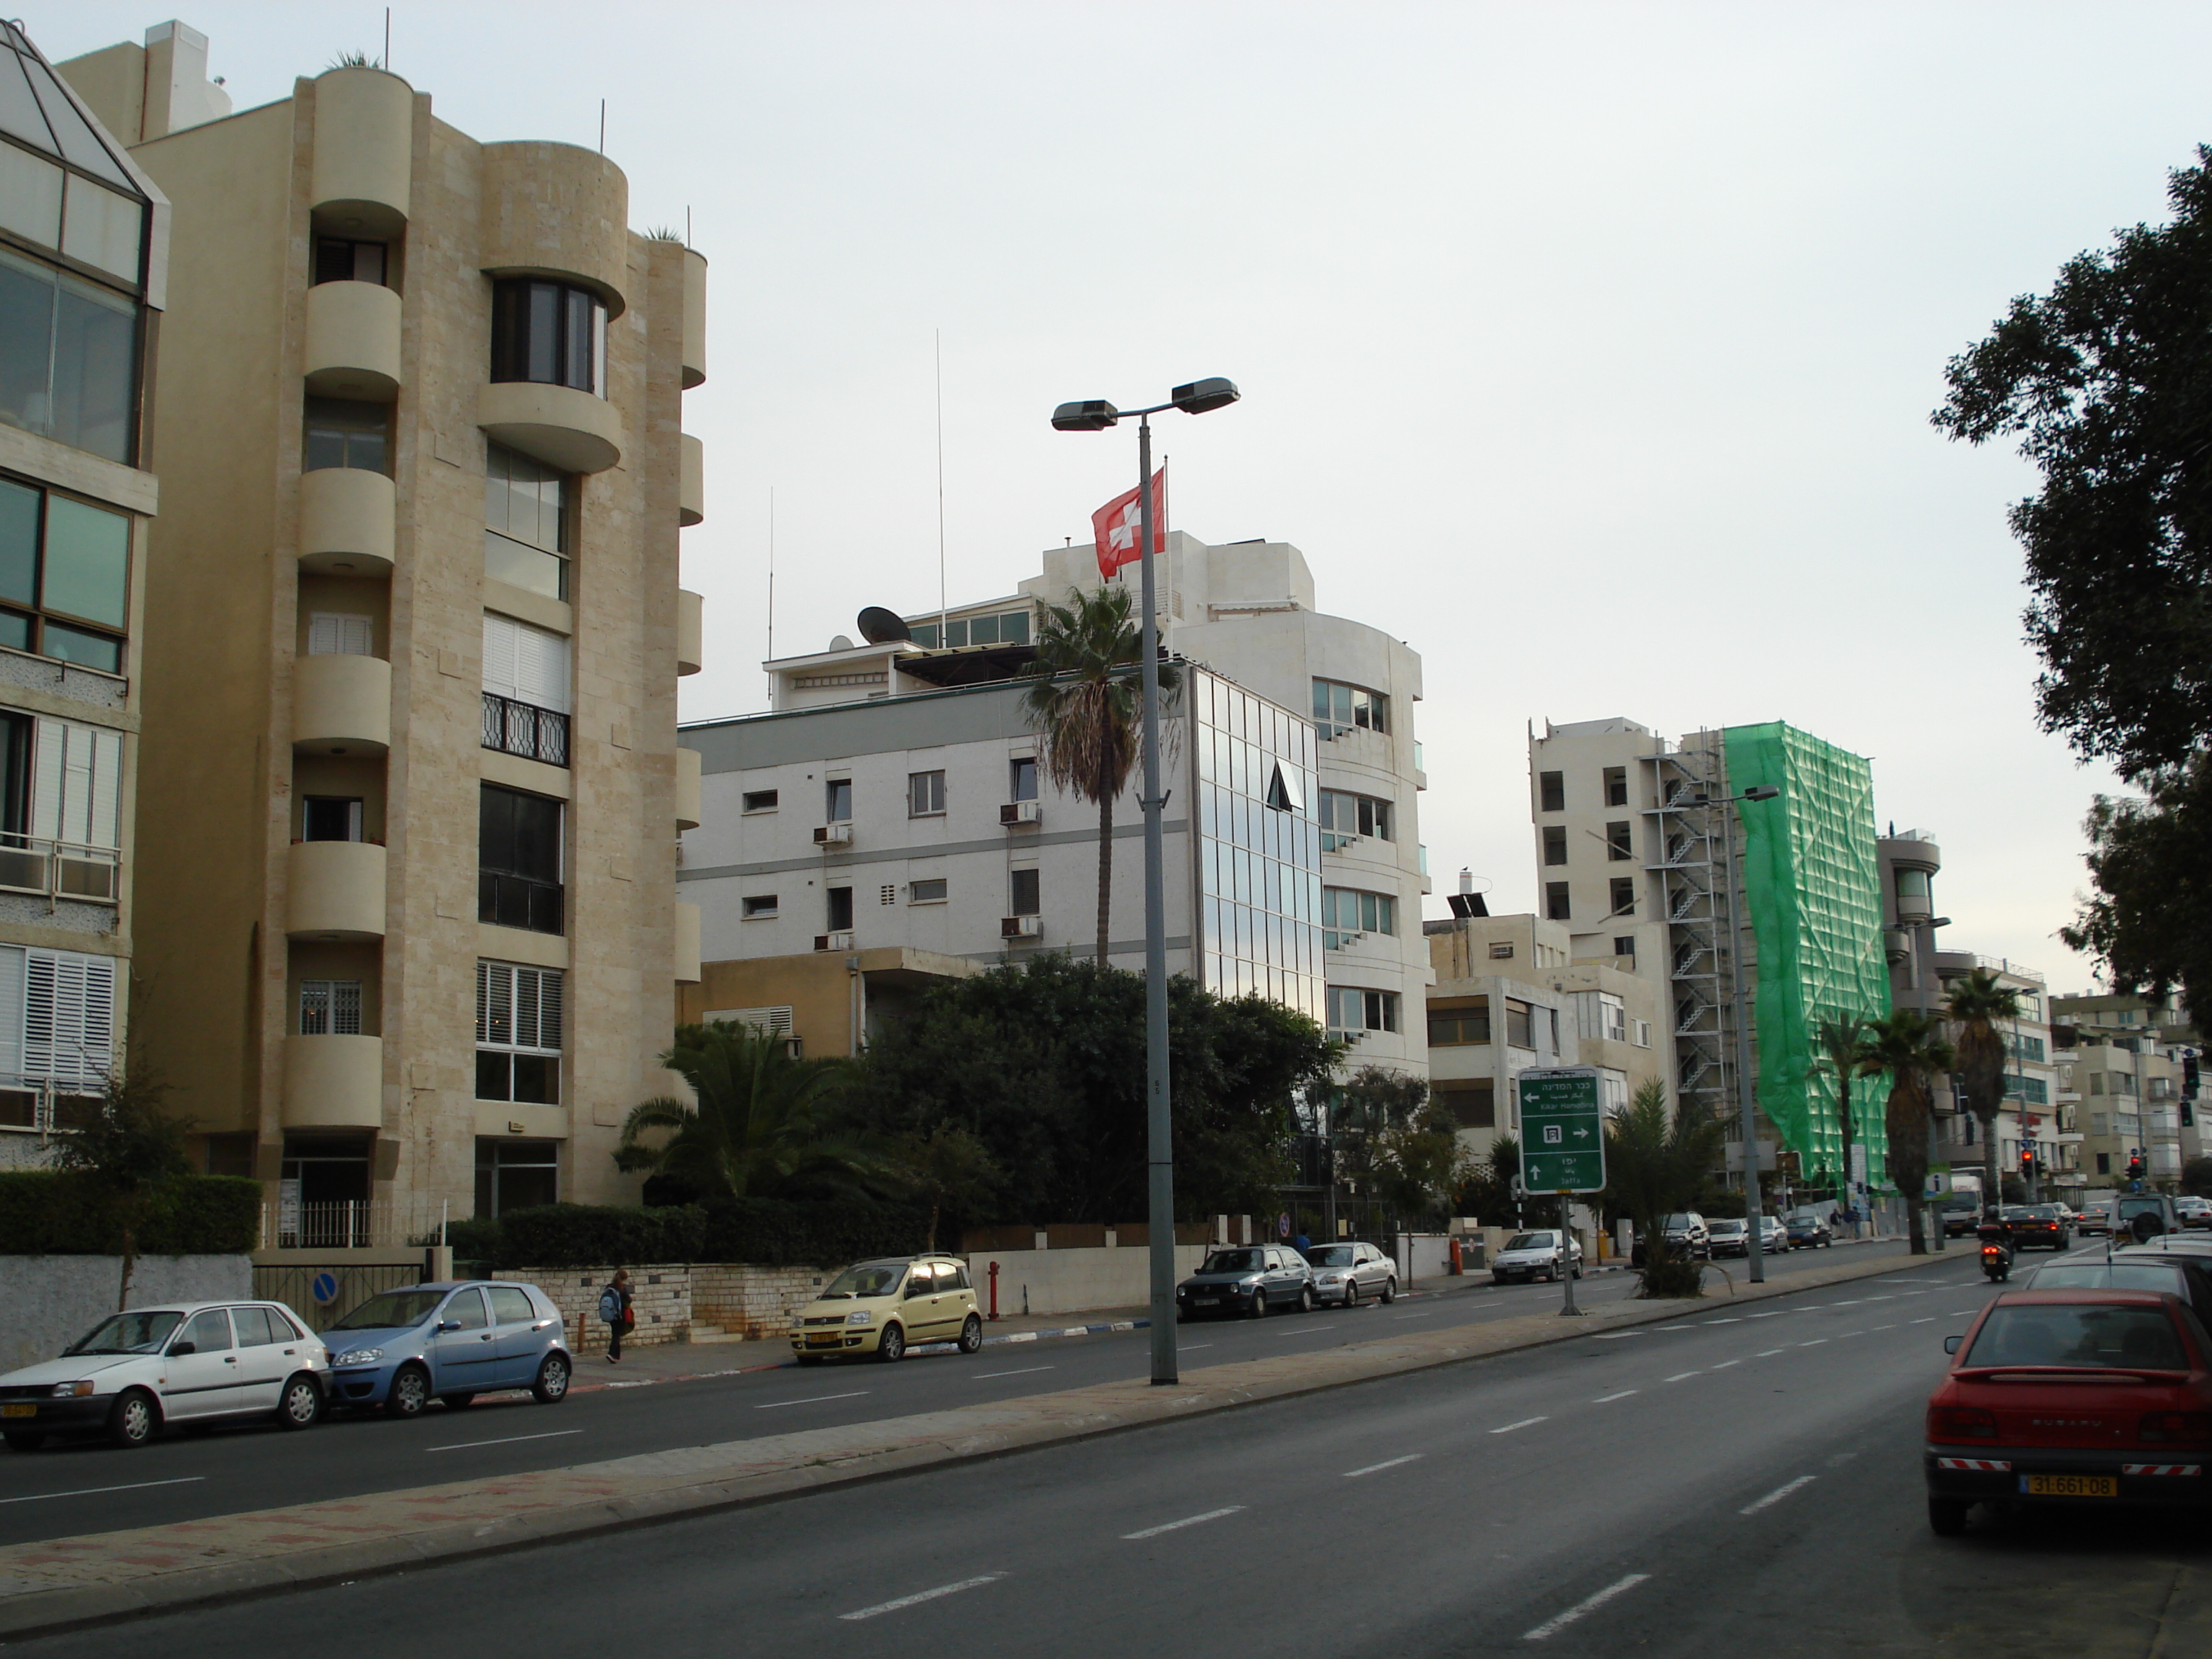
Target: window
(839,901)
(515,1174)
(925,794)
(1001,627)
(1501,950)
(1624,944)
(1339,709)
(519,1033)
(1520,1031)
(1643,1028)
(330,817)
(838,800)
(519,860)
(1453,1027)
(525,691)
(59,791)
(1555,843)
(1344,817)
(757,905)
(760,801)
(1913,884)
(341,431)
(2096,1083)
(204,1333)
(1556,907)
(1616,786)
(57,1019)
(329,1007)
(2104,1163)
(1347,912)
(2099,1123)
(525,523)
(1623,896)
(2033,1090)
(552,333)
(1352,1010)
(1471,1105)
(1619,844)
(931,892)
(1021,778)
(340,634)
(1022,893)
(1551,792)
(338,259)
(64,577)
(258,1328)
(69,355)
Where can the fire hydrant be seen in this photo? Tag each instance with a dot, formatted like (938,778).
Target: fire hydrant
(1457,1269)
(994,1290)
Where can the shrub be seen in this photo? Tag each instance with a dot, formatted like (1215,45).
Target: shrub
(65,1213)
(779,1233)
(588,1234)
(763,1231)
(1677,1276)
(477,1239)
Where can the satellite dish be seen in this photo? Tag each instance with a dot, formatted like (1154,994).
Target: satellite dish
(840,643)
(882,627)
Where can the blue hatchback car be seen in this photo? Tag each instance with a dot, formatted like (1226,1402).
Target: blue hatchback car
(402,1349)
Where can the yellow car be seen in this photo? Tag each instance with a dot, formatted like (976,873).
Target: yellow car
(880,1309)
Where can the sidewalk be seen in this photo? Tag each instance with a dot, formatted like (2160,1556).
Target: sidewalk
(63,1582)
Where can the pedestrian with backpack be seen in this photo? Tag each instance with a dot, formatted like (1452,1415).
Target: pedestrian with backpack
(615,1313)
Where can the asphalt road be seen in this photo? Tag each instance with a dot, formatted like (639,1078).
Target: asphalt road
(1731,1485)
(69,1489)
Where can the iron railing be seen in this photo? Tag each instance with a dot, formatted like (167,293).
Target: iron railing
(524,729)
(57,870)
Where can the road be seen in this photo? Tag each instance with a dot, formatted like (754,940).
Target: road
(1722,1485)
(66,1490)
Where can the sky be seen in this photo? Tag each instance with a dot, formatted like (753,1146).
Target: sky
(1588,348)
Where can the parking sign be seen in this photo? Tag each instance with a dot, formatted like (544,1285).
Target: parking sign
(1562,1130)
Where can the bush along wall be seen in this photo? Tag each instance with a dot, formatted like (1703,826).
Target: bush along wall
(64,1212)
(763,1231)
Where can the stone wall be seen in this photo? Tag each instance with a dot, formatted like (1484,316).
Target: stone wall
(660,1294)
(754,1302)
(52,1300)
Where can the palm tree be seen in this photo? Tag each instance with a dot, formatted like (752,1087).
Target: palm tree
(1084,702)
(763,1126)
(1908,1045)
(1656,1163)
(1843,1042)
(1976,1003)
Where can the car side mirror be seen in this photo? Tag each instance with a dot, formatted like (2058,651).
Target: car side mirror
(445,1325)
(184,1347)
(1951,1344)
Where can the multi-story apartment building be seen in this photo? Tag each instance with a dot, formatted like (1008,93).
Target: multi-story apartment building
(83,273)
(410,940)
(2124,1058)
(2037,1114)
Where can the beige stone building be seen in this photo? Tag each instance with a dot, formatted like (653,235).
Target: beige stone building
(83,233)
(409,940)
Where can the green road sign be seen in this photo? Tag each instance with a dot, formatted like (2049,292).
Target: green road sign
(1562,1131)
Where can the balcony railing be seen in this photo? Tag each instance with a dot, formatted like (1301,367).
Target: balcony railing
(511,900)
(524,729)
(57,870)
(364,1224)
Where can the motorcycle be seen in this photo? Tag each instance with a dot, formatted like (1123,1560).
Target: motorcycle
(1996,1254)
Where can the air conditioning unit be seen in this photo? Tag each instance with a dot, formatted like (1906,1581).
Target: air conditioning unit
(1017,811)
(833,835)
(833,941)
(1020,927)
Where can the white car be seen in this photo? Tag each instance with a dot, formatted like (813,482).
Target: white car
(1534,1255)
(193,1363)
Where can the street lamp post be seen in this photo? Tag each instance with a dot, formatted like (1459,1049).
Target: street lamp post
(1095,415)
(1746,1105)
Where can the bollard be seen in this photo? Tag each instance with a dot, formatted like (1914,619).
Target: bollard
(1458,1269)
(994,1290)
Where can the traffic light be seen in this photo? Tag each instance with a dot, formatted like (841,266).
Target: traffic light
(2136,1165)
(2188,1114)
(2027,1162)
(2188,1074)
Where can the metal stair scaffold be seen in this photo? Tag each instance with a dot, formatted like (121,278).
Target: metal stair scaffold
(1689,786)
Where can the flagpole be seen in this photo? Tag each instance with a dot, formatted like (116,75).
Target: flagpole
(1159,1123)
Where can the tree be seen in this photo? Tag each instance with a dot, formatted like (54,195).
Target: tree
(946,1164)
(765,1125)
(127,1150)
(1395,1140)
(2149,924)
(1084,700)
(1974,1005)
(1656,1163)
(1487,1192)
(2196,1177)
(1907,1046)
(1841,1042)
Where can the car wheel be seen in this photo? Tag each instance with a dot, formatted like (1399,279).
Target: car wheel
(1259,1308)
(1947,1516)
(301,1404)
(891,1347)
(19,1441)
(409,1392)
(456,1402)
(1577,1272)
(1351,1292)
(1306,1298)
(971,1334)
(1390,1289)
(552,1387)
(134,1420)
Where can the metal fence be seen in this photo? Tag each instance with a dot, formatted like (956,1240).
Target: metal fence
(290,1225)
(354,1283)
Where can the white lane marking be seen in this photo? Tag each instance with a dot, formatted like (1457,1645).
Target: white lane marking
(1814,1343)
(984,1377)
(1306,1330)
(1879,1298)
(1680,1376)
(1930,1320)
(1606,1399)
(812,1400)
(1725,1364)
(1776,1314)
(1768,1353)
(504,1440)
(1552,1627)
(1777,1494)
(1853,1302)
(920,1596)
(1188,1520)
(1429,1313)
(1193,1347)
(1524,1423)
(1410,1457)
(1732,1319)
(1885,1328)
(135,1486)
(1616,1336)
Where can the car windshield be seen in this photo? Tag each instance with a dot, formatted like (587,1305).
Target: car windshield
(2080,1337)
(393,1310)
(1533,1242)
(869,1278)
(2042,1211)
(1330,1255)
(1681,1220)
(1726,1226)
(2117,1276)
(1234,1261)
(127,1333)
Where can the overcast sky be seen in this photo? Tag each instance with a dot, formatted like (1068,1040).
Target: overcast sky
(1588,348)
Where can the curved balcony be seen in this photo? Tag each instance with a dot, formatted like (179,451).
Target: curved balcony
(691,481)
(688,777)
(333,1083)
(690,631)
(364,153)
(353,340)
(349,520)
(555,424)
(687,943)
(695,320)
(335,890)
(341,705)
(556,210)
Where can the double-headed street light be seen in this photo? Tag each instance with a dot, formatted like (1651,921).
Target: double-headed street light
(1096,415)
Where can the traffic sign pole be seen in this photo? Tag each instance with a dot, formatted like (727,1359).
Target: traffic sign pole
(1563,1149)
(1567,1308)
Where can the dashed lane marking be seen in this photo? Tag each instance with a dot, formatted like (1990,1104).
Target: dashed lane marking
(1188,1520)
(504,1440)
(89,1491)
(920,1596)
(1768,1353)
(1678,1377)
(1373,1468)
(811,1400)
(1725,1364)
(1525,1422)
(1608,1399)
(1553,1626)
(1814,1343)
(985,1376)
(1777,1494)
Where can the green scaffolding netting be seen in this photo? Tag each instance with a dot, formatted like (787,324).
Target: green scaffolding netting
(1812,889)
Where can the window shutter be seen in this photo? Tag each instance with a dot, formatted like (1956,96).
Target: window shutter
(541,669)
(549,1008)
(331,633)
(69,1018)
(104,829)
(501,638)
(77,779)
(47,763)
(525,1007)
(345,1007)
(11,1013)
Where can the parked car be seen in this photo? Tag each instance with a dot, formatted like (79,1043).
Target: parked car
(1808,1230)
(879,1309)
(449,1342)
(1251,1280)
(2195,1211)
(2067,1395)
(2041,1225)
(194,1363)
(1773,1234)
(1728,1235)
(1349,1275)
(2187,1274)
(1686,1233)
(1533,1256)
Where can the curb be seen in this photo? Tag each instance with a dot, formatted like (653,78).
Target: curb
(964,1434)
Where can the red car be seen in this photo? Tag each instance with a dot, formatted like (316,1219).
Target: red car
(2080,1397)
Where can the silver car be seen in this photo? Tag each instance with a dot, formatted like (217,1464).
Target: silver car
(1534,1255)
(1349,1275)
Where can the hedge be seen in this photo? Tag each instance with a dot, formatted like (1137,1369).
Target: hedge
(66,1213)
(784,1233)
(761,1231)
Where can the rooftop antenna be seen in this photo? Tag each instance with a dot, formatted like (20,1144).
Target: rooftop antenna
(687,224)
(602,126)
(386,65)
(943,607)
(771,590)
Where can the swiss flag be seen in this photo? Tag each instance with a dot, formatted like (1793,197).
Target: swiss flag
(1119,525)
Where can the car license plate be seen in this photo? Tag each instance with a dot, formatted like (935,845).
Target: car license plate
(825,1340)
(2070,1485)
(1207,1301)
(19,1411)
